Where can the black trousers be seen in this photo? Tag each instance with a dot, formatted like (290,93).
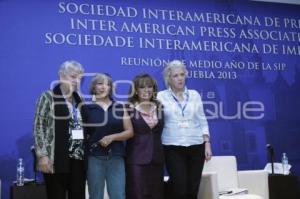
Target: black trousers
(184,166)
(67,185)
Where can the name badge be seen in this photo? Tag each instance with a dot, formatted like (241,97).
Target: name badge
(183,123)
(77,134)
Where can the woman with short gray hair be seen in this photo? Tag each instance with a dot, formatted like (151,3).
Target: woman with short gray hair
(58,135)
(176,64)
(185,135)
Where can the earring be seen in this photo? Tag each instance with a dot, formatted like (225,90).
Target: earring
(93,98)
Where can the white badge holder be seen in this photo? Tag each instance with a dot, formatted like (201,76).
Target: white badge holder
(183,123)
(77,134)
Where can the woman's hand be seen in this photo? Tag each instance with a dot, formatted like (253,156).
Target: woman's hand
(45,165)
(106,140)
(208,152)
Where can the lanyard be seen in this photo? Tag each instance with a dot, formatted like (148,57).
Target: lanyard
(179,104)
(74,114)
(74,111)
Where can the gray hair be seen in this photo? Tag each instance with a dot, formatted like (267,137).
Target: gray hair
(68,66)
(171,66)
(100,77)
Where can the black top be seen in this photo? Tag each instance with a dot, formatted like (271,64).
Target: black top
(99,123)
(145,147)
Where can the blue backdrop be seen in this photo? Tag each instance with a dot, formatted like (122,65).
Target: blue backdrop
(243,57)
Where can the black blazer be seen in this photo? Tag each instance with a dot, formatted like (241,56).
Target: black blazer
(145,146)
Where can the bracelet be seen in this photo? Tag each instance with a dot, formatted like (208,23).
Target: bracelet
(207,142)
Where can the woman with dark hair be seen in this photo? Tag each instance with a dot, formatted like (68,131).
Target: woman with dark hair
(144,152)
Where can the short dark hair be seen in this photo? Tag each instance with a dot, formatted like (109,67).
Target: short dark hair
(143,79)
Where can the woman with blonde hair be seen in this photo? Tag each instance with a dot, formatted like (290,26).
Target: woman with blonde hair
(107,126)
(185,135)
